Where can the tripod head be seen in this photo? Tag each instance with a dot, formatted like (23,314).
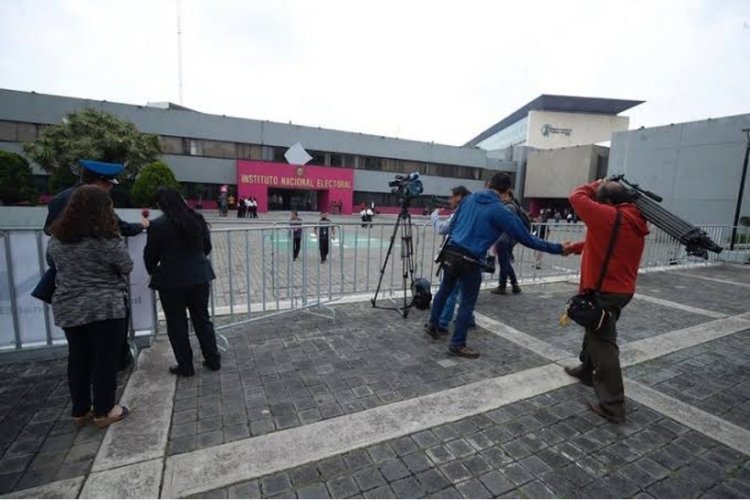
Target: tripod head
(635,190)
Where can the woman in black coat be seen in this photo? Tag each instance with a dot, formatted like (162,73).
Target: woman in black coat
(176,258)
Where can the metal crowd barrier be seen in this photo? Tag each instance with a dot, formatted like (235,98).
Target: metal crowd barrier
(257,277)
(27,324)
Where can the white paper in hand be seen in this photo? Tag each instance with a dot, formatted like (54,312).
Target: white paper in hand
(296,155)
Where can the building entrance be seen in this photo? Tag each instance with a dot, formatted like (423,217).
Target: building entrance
(293,199)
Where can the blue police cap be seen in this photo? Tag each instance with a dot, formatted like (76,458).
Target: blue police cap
(107,170)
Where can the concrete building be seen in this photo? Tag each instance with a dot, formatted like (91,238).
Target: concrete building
(695,166)
(552,141)
(207,150)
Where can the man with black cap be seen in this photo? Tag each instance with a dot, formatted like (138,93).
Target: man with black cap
(104,175)
(478,223)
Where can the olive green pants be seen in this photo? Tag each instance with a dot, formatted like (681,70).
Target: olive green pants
(600,356)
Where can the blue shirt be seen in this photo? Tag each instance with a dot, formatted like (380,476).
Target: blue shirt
(481,219)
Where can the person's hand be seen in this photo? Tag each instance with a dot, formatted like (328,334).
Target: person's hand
(145,223)
(567,248)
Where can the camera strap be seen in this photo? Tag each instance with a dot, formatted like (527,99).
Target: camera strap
(610,249)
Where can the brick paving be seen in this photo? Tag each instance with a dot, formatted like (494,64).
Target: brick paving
(299,368)
(714,377)
(549,446)
(282,374)
(537,310)
(38,442)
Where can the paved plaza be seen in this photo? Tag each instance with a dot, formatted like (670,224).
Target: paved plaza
(354,402)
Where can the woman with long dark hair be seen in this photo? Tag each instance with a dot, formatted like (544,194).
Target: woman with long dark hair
(90,300)
(176,257)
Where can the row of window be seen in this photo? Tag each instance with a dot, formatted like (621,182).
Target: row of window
(26,132)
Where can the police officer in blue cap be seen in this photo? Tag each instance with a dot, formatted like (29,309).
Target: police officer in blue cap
(104,175)
(101,174)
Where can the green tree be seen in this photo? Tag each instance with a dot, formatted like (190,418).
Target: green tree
(93,135)
(16,182)
(149,180)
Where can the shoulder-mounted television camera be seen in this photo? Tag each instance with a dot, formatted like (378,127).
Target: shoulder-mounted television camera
(406,186)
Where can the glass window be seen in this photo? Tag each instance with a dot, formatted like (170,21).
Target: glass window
(337,160)
(278,154)
(373,163)
(171,145)
(218,149)
(26,132)
(8,131)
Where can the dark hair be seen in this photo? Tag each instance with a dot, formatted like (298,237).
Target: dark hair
(460,191)
(190,224)
(613,192)
(88,214)
(500,182)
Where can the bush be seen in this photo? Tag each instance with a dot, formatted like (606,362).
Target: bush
(16,181)
(149,180)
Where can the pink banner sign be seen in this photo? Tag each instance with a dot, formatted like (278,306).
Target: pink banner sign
(335,186)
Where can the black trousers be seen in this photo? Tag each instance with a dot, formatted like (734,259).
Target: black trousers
(93,350)
(297,243)
(600,357)
(323,245)
(176,302)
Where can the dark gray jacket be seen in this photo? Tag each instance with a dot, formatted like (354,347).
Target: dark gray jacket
(91,281)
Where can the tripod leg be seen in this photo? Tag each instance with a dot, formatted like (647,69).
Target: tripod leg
(385,262)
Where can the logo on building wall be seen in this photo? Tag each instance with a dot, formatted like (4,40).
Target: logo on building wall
(300,171)
(548,129)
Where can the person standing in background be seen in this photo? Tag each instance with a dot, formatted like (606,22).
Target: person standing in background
(90,300)
(176,257)
(321,231)
(295,223)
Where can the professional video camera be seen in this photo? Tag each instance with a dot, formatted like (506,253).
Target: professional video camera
(696,241)
(406,186)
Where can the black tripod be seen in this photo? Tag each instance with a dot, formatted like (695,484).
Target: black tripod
(407,258)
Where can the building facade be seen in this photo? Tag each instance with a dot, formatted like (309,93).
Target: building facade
(695,166)
(207,151)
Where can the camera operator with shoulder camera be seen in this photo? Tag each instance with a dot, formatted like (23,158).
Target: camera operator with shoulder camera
(479,221)
(612,250)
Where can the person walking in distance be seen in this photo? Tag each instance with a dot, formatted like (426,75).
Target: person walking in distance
(321,231)
(90,300)
(295,223)
(176,257)
(609,214)
(504,250)
(479,221)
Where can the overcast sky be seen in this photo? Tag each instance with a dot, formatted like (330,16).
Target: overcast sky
(439,71)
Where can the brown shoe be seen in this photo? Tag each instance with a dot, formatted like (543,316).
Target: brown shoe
(83,419)
(597,408)
(499,290)
(463,351)
(105,421)
(577,372)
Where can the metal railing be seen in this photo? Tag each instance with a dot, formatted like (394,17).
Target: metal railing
(257,276)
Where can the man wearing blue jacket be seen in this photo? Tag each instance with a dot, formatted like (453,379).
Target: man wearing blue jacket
(480,220)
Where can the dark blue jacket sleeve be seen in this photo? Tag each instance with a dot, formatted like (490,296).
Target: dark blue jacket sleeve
(512,225)
(129,229)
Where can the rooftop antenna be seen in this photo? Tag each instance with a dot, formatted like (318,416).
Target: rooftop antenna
(179,48)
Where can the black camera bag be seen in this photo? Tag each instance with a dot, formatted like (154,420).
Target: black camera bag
(585,308)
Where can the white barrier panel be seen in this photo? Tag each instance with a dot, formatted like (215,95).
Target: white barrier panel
(22,263)
(141,297)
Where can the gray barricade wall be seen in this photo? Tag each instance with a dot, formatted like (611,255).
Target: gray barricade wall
(26,322)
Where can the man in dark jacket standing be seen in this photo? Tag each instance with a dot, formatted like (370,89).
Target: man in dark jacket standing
(597,204)
(103,175)
(479,221)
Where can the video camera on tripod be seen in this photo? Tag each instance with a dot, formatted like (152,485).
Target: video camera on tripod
(406,186)
(697,242)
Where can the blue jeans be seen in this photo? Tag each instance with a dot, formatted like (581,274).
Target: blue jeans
(448,309)
(468,281)
(506,268)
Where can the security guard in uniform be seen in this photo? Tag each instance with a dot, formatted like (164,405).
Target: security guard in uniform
(104,175)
